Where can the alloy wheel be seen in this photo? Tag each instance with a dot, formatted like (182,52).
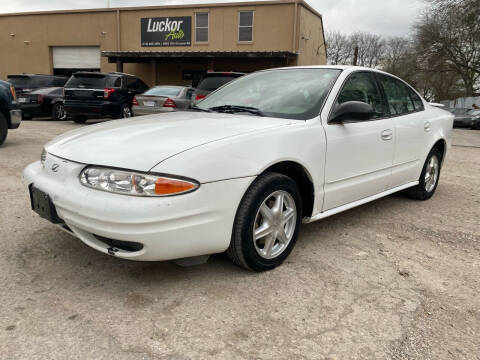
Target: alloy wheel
(60,112)
(274,224)
(431,173)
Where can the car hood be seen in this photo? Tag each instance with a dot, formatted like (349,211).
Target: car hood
(142,142)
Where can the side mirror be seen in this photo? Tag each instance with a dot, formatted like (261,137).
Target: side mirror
(353,111)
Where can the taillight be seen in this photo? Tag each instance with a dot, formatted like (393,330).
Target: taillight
(107,92)
(134,101)
(14,94)
(169,103)
(40,99)
(199,97)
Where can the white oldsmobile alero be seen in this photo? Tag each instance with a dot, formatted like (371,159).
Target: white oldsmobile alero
(241,172)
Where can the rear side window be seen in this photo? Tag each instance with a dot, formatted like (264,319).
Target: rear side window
(361,86)
(417,102)
(398,96)
(90,81)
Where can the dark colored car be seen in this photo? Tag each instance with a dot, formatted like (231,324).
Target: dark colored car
(211,81)
(463,118)
(98,95)
(10,114)
(42,103)
(26,83)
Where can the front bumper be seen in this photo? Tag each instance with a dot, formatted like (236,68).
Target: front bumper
(193,224)
(15,118)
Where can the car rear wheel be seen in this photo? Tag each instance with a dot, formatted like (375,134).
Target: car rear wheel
(125,112)
(267,223)
(3,128)
(58,112)
(79,119)
(428,178)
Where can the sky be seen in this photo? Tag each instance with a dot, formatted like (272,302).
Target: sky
(384,17)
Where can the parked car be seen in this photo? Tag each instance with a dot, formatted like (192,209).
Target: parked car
(211,81)
(462,117)
(43,102)
(97,95)
(262,153)
(162,99)
(10,115)
(25,83)
(475,114)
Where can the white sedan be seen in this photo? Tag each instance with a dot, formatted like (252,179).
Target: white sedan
(241,171)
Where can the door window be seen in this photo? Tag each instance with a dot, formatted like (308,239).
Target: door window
(398,97)
(361,86)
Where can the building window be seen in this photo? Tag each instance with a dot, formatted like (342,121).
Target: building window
(201,27)
(245,26)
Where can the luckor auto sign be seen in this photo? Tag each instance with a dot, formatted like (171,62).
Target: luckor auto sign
(167,31)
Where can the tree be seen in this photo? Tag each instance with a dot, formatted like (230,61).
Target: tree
(339,48)
(450,32)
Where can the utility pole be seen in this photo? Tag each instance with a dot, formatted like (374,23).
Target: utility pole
(355,56)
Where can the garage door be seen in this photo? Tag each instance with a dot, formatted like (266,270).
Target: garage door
(76,57)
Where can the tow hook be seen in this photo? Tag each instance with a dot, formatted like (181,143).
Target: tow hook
(112,250)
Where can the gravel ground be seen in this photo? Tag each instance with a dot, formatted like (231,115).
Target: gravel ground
(393,279)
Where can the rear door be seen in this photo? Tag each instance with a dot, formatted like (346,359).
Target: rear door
(89,87)
(359,153)
(411,129)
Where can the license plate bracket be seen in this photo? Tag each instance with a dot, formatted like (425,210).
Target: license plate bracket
(43,206)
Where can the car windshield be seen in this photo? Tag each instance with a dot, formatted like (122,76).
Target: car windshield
(287,93)
(214,82)
(163,91)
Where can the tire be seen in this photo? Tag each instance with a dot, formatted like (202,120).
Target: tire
(266,192)
(425,189)
(125,112)
(79,119)
(58,112)
(3,128)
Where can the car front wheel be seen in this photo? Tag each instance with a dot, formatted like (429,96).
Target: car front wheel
(267,223)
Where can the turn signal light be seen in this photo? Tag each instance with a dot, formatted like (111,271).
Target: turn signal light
(40,99)
(107,92)
(169,103)
(134,101)
(167,186)
(199,97)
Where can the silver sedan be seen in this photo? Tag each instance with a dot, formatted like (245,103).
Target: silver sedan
(162,99)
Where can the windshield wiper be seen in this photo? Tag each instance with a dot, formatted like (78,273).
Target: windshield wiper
(195,107)
(237,108)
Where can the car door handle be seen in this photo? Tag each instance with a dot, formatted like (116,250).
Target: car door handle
(387,134)
(426,126)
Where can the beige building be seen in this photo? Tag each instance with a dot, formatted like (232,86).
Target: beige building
(163,44)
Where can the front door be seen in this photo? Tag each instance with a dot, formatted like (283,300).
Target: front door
(359,153)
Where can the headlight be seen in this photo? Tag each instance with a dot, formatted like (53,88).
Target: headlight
(43,157)
(133,183)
